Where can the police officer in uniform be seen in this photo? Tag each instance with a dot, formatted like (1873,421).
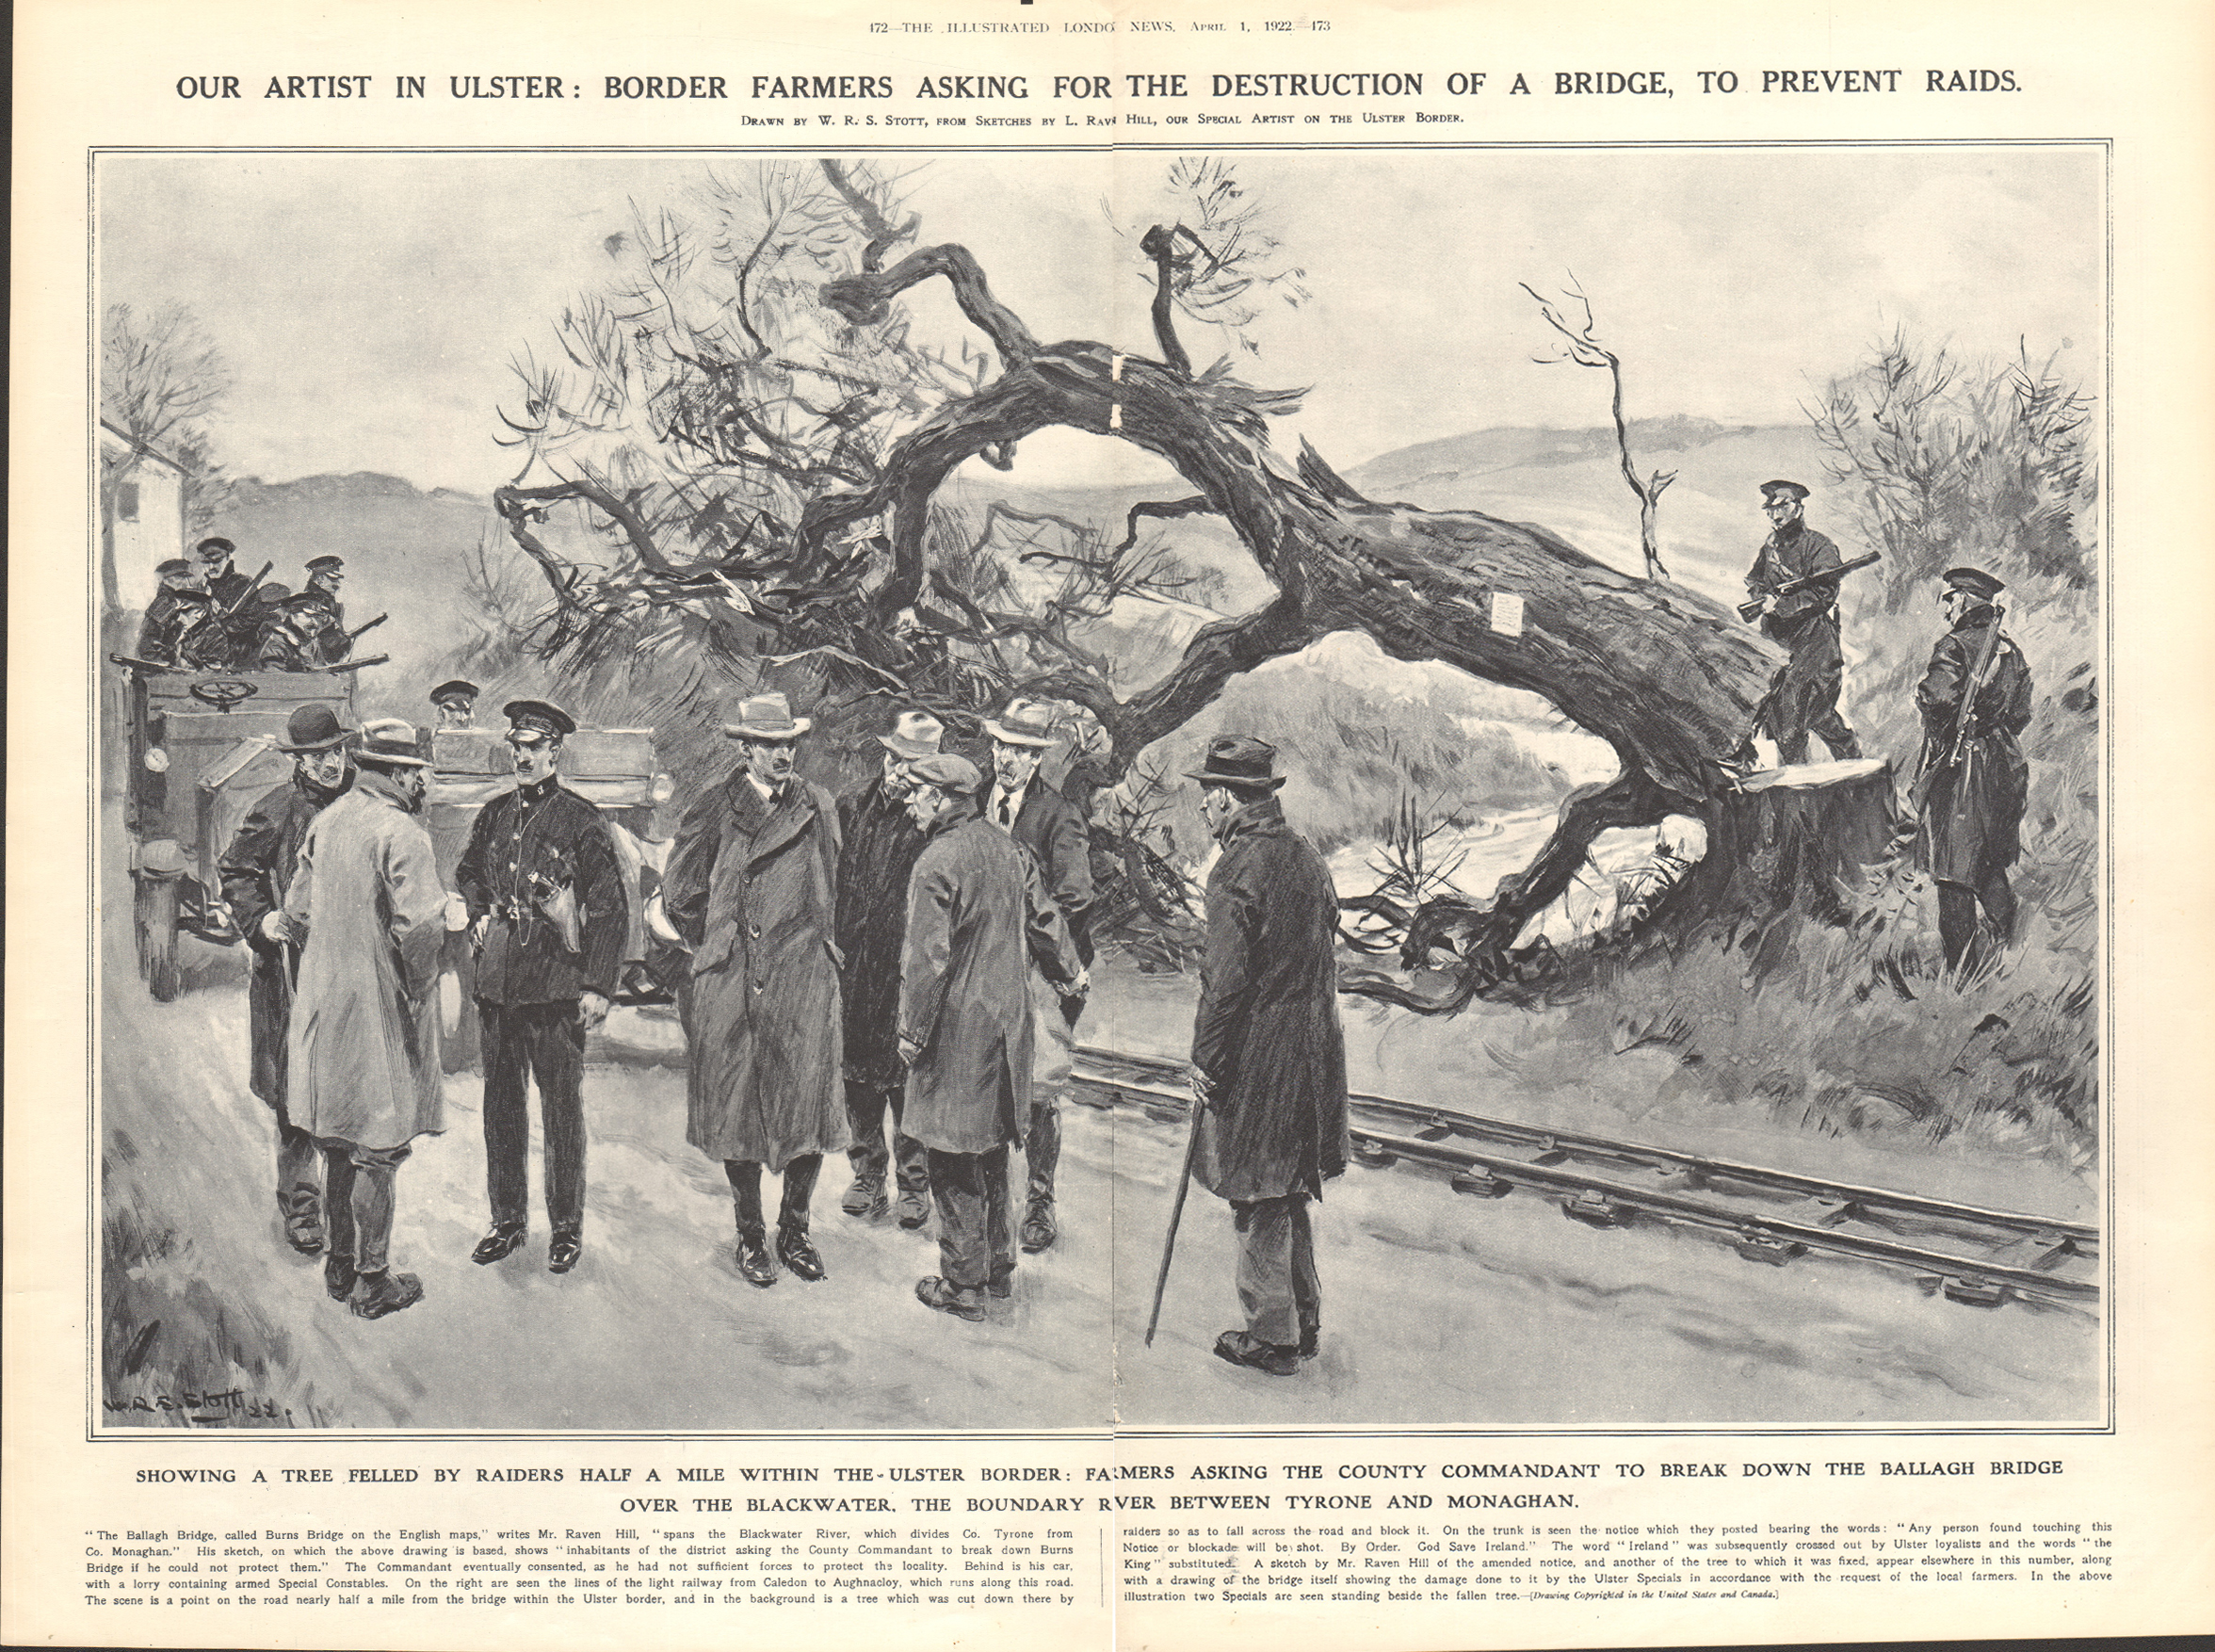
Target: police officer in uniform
(548,912)
(455,700)
(181,604)
(1805,696)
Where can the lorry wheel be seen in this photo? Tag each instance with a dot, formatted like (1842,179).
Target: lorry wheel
(155,916)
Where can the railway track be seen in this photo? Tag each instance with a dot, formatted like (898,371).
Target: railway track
(1972,1255)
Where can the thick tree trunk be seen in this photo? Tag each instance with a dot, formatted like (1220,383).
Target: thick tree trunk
(1795,838)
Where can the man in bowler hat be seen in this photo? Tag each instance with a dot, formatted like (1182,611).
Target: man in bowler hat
(1269,1056)
(548,913)
(1805,696)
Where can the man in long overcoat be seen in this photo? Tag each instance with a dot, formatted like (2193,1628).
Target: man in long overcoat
(181,604)
(369,916)
(1269,1056)
(751,890)
(256,871)
(1805,696)
(879,846)
(1023,804)
(547,907)
(1971,827)
(977,918)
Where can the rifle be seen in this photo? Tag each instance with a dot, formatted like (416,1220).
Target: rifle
(367,625)
(1176,1211)
(1919,795)
(239,602)
(1750,611)
(352,665)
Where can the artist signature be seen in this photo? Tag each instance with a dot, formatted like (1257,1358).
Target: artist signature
(231,1405)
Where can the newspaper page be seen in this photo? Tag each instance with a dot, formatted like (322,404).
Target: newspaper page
(1370,827)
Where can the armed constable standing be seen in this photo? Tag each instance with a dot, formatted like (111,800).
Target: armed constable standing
(1040,818)
(547,908)
(1805,622)
(225,584)
(1975,700)
(751,890)
(257,870)
(878,843)
(1269,1056)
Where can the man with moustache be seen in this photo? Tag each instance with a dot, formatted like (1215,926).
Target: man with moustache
(549,915)
(879,846)
(977,926)
(751,891)
(256,871)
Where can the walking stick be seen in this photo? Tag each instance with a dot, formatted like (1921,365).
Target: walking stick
(1177,1213)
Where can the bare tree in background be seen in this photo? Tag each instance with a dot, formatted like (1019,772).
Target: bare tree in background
(161,378)
(1571,316)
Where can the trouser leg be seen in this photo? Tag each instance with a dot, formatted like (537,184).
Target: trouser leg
(300,1162)
(1999,902)
(376,1174)
(1834,733)
(1792,744)
(799,1186)
(338,1196)
(1042,1147)
(957,1183)
(999,1225)
(1307,1285)
(913,1157)
(865,1119)
(506,1114)
(1053,1041)
(745,1178)
(557,1059)
(1265,1268)
(1957,921)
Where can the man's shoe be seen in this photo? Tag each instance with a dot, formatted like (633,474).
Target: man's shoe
(379,1294)
(338,1276)
(913,1211)
(303,1221)
(562,1253)
(935,1293)
(867,1197)
(1038,1226)
(1310,1339)
(1243,1347)
(1002,1283)
(794,1252)
(504,1240)
(753,1257)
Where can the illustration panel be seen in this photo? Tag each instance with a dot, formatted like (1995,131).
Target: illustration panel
(704,755)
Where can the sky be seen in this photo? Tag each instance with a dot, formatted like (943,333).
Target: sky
(370,305)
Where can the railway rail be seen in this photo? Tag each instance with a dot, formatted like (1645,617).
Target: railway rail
(1989,1256)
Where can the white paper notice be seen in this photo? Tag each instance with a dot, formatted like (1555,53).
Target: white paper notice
(1506,613)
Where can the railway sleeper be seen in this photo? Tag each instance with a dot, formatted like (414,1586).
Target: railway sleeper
(1762,1247)
(1596,1209)
(1481,1184)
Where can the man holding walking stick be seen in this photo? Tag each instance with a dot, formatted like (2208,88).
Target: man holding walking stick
(1269,1056)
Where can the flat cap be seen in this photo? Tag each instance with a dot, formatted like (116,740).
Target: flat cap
(948,772)
(455,688)
(1772,492)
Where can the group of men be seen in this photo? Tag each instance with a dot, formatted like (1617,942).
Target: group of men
(1974,700)
(209,616)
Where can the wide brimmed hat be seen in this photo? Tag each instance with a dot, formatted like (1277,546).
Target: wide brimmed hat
(1241,762)
(389,742)
(1974,581)
(1025,723)
(914,734)
(531,720)
(949,772)
(1773,491)
(455,688)
(767,717)
(313,728)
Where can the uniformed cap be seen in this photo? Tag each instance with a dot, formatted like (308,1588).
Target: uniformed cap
(1239,761)
(532,721)
(1974,581)
(456,689)
(1773,491)
(175,565)
(389,742)
(914,734)
(313,728)
(326,564)
(217,543)
(767,717)
(300,601)
(948,772)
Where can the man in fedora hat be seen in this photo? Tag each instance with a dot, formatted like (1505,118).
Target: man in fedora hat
(1805,696)
(1975,700)
(362,1073)
(455,700)
(1269,1056)
(751,890)
(548,913)
(256,871)
(1022,804)
(977,919)
(879,846)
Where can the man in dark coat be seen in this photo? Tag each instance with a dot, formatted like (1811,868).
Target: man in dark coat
(225,584)
(1269,1056)
(751,891)
(256,871)
(329,643)
(1022,804)
(879,846)
(547,908)
(977,923)
(284,629)
(1806,695)
(178,606)
(1973,808)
